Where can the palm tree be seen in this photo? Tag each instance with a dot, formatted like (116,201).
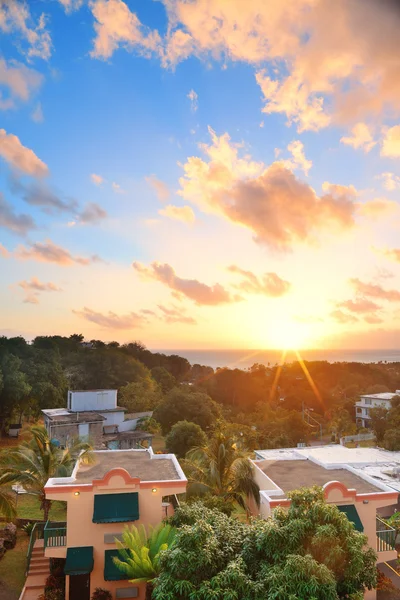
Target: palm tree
(221,468)
(140,553)
(32,463)
(7,503)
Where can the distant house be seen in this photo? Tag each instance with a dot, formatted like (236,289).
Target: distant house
(368,401)
(89,414)
(118,489)
(362,482)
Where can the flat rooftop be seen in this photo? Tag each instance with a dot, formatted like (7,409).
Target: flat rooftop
(333,455)
(138,463)
(67,417)
(292,474)
(381,396)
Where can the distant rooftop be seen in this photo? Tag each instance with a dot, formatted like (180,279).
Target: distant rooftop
(61,416)
(292,474)
(94,390)
(138,463)
(382,396)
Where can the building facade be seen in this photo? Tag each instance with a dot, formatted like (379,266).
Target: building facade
(122,487)
(364,499)
(368,401)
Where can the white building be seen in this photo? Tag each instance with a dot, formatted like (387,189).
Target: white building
(89,414)
(368,401)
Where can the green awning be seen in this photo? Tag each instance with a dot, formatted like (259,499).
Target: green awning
(351,513)
(111,571)
(116,508)
(79,561)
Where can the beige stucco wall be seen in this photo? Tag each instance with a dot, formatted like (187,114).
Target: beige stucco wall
(81,531)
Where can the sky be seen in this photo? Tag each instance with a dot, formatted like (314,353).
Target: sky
(201,174)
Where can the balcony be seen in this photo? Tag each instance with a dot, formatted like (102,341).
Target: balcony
(385,536)
(55,534)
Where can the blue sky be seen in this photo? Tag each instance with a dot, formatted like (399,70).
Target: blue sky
(195,150)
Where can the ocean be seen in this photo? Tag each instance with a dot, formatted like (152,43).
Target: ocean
(242,359)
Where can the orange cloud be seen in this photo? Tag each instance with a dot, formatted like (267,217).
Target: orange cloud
(20,81)
(4,252)
(270,284)
(279,209)
(97,179)
(161,188)
(178,213)
(378,207)
(361,137)
(394,254)
(20,157)
(361,305)
(391,142)
(34,287)
(15,18)
(200,293)
(49,252)
(372,290)
(111,320)
(342,317)
(175,315)
(390,181)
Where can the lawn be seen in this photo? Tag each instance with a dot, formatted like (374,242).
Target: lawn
(28,507)
(12,569)
(158,443)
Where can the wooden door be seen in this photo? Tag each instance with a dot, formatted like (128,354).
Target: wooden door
(79,587)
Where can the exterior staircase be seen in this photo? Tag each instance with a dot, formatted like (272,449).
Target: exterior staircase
(39,570)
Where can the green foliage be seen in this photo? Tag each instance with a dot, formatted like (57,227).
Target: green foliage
(149,424)
(28,528)
(165,380)
(14,388)
(184,436)
(101,594)
(309,552)
(140,552)
(185,403)
(7,503)
(221,468)
(391,440)
(379,422)
(140,396)
(32,463)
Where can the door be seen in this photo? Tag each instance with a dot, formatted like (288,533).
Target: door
(83,430)
(79,587)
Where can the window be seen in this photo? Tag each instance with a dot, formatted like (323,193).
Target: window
(116,508)
(367,401)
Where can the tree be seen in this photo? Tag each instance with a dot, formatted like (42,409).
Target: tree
(391,440)
(140,553)
(140,396)
(310,551)
(183,437)
(14,387)
(222,468)
(184,403)
(165,380)
(7,503)
(379,422)
(32,463)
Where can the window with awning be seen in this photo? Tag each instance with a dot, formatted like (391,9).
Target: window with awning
(111,571)
(79,561)
(351,513)
(116,508)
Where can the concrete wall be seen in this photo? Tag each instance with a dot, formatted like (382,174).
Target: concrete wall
(113,418)
(81,531)
(92,400)
(69,431)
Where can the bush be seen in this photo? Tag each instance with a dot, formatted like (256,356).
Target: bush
(28,528)
(391,440)
(101,594)
(214,503)
(184,436)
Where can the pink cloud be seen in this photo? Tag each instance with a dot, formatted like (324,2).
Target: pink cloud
(270,284)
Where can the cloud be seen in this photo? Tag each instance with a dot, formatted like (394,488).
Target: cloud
(20,81)
(391,143)
(20,157)
(34,287)
(373,319)
(337,190)
(117,188)
(97,179)
(70,5)
(270,284)
(390,181)
(111,320)
(16,19)
(116,26)
(49,252)
(361,305)
(193,97)
(178,213)
(361,138)
(37,114)
(393,254)
(92,214)
(270,201)
(19,224)
(378,207)
(371,290)
(200,293)
(342,317)
(175,315)
(299,160)
(161,188)
(40,195)
(4,252)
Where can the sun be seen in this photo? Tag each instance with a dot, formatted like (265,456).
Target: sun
(288,335)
